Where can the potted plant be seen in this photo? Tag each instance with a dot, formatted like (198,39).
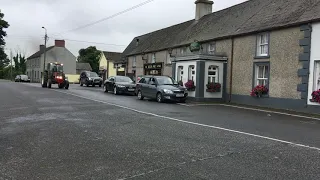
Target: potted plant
(259,90)
(213,87)
(190,85)
(315,96)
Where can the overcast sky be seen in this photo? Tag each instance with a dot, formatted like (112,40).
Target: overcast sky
(26,17)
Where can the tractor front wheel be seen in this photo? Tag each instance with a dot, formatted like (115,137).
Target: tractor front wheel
(44,79)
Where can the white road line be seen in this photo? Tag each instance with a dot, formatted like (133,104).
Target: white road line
(197,124)
(255,109)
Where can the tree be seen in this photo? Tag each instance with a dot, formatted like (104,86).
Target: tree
(19,64)
(4,61)
(90,55)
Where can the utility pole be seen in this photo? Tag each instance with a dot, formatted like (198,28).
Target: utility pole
(44,53)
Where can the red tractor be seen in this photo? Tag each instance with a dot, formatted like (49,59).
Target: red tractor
(54,75)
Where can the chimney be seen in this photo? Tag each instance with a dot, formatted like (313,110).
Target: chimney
(203,7)
(41,48)
(59,43)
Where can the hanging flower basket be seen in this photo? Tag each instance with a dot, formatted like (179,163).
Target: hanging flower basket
(214,87)
(190,85)
(315,96)
(259,91)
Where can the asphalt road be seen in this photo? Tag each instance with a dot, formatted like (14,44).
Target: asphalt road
(83,133)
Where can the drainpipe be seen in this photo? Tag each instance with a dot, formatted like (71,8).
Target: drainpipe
(231,69)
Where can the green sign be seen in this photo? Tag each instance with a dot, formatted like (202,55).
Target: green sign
(195,46)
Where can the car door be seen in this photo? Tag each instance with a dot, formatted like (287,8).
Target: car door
(110,83)
(152,88)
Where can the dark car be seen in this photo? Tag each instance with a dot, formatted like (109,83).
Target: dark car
(120,85)
(161,88)
(90,79)
(22,78)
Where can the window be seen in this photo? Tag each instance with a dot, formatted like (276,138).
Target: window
(134,61)
(153,59)
(180,73)
(168,59)
(183,50)
(316,79)
(192,73)
(261,74)
(143,80)
(263,44)
(211,48)
(213,74)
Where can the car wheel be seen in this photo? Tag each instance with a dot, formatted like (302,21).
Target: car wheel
(140,97)
(105,88)
(115,91)
(159,98)
(81,84)
(100,85)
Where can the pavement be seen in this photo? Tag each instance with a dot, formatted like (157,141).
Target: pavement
(84,133)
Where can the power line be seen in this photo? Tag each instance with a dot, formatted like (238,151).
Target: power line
(73,40)
(106,18)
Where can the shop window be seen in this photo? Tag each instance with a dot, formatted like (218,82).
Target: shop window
(192,73)
(316,79)
(180,73)
(261,74)
(213,72)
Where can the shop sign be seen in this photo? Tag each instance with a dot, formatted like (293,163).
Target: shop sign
(153,66)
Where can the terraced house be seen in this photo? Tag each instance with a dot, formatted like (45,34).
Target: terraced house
(259,42)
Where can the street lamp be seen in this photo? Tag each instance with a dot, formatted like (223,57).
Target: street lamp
(44,51)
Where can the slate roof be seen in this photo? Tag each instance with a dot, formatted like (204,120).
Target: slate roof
(249,17)
(113,56)
(83,66)
(39,53)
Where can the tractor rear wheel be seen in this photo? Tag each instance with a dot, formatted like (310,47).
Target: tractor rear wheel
(44,79)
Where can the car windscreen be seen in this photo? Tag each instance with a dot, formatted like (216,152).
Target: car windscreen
(165,81)
(123,79)
(93,74)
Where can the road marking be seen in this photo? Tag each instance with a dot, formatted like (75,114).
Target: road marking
(197,124)
(254,109)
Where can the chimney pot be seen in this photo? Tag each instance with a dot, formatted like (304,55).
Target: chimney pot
(59,43)
(203,7)
(41,48)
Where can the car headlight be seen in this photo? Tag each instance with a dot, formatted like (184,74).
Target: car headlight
(167,91)
(90,79)
(121,86)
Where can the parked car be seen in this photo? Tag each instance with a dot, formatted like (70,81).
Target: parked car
(120,85)
(22,78)
(161,88)
(90,79)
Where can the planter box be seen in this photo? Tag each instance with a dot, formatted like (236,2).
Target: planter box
(213,90)
(191,89)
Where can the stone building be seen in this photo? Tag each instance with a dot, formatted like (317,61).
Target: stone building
(258,42)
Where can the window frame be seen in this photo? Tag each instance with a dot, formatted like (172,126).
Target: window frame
(255,73)
(179,74)
(212,44)
(168,58)
(315,81)
(134,62)
(153,58)
(190,70)
(259,44)
(215,76)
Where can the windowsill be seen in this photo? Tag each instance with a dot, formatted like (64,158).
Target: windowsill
(262,57)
